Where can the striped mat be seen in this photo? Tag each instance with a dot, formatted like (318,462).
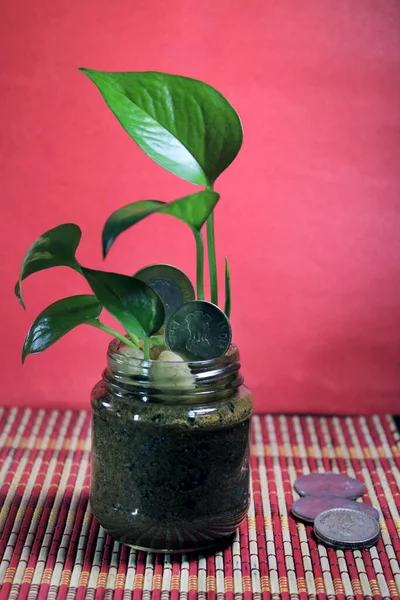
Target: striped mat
(51,546)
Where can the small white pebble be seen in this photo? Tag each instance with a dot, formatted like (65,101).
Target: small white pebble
(127,361)
(168,356)
(175,375)
(132,352)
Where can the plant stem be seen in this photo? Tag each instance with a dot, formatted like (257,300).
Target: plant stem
(212,261)
(227,289)
(116,334)
(146,349)
(157,341)
(199,265)
(134,339)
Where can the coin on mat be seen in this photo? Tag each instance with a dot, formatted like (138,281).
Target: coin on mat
(329,484)
(346,528)
(309,507)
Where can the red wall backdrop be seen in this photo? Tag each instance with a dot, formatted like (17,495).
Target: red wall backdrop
(310,210)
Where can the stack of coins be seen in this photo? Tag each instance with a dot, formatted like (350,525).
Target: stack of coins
(194,329)
(328,501)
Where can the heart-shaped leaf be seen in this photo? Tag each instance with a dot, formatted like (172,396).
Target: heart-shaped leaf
(193,210)
(54,248)
(58,319)
(183,124)
(131,301)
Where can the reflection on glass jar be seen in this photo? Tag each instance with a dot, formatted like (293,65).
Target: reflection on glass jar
(170,466)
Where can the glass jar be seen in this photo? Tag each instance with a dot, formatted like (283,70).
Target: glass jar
(170,460)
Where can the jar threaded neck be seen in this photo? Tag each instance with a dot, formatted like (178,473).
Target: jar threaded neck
(171,382)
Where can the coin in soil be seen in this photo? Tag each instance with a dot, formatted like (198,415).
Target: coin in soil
(171,284)
(198,330)
(329,484)
(308,508)
(346,528)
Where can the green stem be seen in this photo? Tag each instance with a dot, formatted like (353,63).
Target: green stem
(134,339)
(146,349)
(212,261)
(199,265)
(227,289)
(157,341)
(116,334)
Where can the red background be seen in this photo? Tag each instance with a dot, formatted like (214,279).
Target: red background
(309,213)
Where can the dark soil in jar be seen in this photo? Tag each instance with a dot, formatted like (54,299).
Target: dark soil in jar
(168,478)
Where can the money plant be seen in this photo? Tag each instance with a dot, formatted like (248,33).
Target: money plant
(188,128)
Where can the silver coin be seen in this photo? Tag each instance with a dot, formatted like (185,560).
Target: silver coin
(329,484)
(346,528)
(171,284)
(309,507)
(198,330)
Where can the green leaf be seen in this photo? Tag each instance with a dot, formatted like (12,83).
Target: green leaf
(183,124)
(131,301)
(193,210)
(227,289)
(58,319)
(54,248)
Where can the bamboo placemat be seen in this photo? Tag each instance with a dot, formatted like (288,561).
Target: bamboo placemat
(51,546)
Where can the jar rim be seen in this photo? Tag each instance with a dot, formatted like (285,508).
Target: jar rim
(232,355)
(172,382)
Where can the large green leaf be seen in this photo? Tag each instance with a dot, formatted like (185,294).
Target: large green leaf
(58,319)
(183,124)
(131,301)
(54,248)
(193,210)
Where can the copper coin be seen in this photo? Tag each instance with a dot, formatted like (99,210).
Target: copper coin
(309,507)
(329,484)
